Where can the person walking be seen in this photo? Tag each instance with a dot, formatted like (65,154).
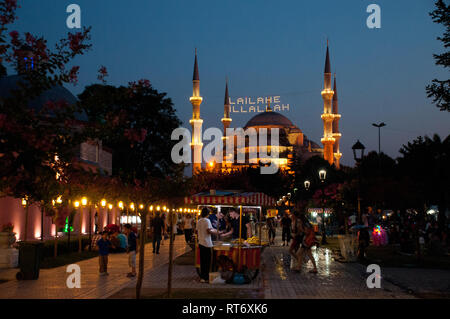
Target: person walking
(187,227)
(286,223)
(204,231)
(271,227)
(309,240)
(297,234)
(157,227)
(103,251)
(131,250)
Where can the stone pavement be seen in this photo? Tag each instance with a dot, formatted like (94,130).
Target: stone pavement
(275,281)
(52,282)
(334,280)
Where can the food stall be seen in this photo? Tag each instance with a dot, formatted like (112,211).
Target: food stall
(244,254)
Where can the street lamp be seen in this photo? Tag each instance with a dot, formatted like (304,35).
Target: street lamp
(358,154)
(103,204)
(25,206)
(84,203)
(307,184)
(110,207)
(379,126)
(358,151)
(323,176)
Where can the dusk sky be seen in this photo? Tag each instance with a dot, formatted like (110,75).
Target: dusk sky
(268,48)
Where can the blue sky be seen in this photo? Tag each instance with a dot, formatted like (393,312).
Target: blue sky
(268,48)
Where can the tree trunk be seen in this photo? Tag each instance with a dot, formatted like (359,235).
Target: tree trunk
(56,236)
(169,281)
(80,248)
(141,254)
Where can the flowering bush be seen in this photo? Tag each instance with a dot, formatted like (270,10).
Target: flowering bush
(8,228)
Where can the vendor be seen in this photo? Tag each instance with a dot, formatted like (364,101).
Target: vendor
(217,222)
(235,221)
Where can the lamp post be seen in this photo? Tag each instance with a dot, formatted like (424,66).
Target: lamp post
(358,154)
(323,176)
(84,203)
(25,205)
(379,126)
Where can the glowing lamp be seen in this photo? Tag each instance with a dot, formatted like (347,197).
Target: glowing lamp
(24,202)
(84,201)
(103,203)
(322,175)
(158,208)
(76,204)
(307,184)
(151,208)
(110,206)
(121,205)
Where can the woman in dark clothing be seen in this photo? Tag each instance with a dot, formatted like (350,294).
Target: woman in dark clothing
(286,223)
(271,226)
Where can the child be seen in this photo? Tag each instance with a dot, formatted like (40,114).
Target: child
(103,251)
(131,250)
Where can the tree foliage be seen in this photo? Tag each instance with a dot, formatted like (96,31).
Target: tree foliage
(439,90)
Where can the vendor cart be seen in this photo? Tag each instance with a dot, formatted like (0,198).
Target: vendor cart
(243,256)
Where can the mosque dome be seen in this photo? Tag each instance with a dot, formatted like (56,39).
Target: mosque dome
(270,119)
(55,94)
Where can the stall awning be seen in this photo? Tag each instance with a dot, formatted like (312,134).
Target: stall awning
(257,199)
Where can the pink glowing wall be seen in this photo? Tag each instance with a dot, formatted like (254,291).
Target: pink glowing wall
(11,211)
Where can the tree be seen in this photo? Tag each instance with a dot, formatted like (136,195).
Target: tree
(439,90)
(425,162)
(37,141)
(136,122)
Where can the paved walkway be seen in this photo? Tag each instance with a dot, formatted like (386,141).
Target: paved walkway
(275,281)
(52,282)
(334,280)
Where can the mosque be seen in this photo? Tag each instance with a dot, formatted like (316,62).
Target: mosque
(293,143)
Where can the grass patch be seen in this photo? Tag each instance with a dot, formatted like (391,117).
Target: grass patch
(67,259)
(189,293)
(388,256)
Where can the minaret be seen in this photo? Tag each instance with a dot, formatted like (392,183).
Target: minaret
(336,133)
(226,120)
(196,121)
(327,116)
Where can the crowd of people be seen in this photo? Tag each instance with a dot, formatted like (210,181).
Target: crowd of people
(411,230)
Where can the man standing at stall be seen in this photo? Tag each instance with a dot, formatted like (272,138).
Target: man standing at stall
(235,221)
(217,222)
(204,231)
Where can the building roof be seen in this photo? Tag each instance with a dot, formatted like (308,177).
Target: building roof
(270,119)
(55,94)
